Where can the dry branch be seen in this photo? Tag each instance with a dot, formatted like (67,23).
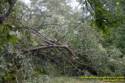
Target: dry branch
(48,47)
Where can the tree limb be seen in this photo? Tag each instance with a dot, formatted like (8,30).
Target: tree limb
(48,47)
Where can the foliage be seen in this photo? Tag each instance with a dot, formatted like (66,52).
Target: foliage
(106,14)
(49,38)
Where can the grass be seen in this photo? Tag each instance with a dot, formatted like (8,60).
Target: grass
(47,79)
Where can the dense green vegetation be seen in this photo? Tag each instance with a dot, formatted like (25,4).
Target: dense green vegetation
(44,39)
